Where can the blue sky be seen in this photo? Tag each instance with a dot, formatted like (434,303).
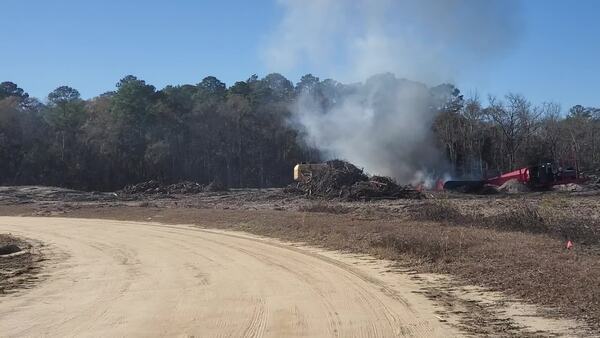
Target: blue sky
(90,45)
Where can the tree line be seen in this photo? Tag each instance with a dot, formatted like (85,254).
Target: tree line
(205,132)
(511,132)
(242,136)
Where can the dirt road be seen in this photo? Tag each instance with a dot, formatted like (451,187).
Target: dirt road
(110,278)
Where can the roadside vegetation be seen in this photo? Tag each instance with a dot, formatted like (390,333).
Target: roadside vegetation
(525,216)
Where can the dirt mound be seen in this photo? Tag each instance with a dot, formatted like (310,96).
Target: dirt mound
(344,180)
(571,187)
(9,249)
(513,187)
(156,187)
(19,270)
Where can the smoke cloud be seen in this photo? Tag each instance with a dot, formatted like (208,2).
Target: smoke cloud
(384,123)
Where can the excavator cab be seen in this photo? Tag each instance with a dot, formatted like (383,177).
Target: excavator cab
(541,175)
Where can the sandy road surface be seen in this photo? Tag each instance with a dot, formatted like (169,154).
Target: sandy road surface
(110,278)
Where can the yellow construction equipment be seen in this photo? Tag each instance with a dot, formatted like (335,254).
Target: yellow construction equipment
(304,171)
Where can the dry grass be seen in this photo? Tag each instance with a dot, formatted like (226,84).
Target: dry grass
(324,207)
(523,217)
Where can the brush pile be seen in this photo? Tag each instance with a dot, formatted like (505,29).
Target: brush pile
(381,187)
(344,180)
(156,187)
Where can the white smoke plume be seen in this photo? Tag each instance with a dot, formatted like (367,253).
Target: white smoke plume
(384,123)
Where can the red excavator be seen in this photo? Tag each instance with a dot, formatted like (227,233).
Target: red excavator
(540,177)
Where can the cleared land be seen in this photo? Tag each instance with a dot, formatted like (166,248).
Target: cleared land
(508,243)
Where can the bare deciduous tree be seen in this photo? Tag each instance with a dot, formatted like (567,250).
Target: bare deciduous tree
(516,119)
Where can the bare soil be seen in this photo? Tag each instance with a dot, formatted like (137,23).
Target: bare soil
(147,279)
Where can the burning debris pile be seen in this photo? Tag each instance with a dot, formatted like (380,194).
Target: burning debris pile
(340,179)
(156,187)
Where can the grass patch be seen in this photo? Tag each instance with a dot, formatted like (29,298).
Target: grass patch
(524,217)
(325,208)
